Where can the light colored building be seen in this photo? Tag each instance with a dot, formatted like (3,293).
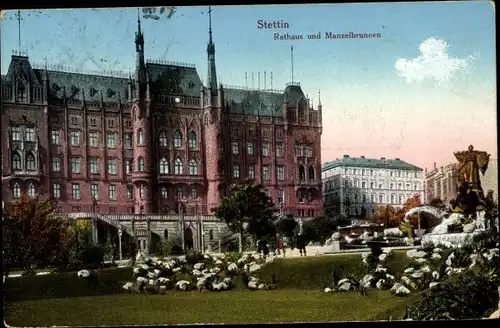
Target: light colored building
(490,179)
(355,186)
(441,183)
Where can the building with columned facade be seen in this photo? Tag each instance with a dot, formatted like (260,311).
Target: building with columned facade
(355,186)
(160,143)
(441,183)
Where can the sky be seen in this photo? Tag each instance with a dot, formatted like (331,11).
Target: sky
(424,89)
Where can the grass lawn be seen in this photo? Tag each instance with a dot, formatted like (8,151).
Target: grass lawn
(235,307)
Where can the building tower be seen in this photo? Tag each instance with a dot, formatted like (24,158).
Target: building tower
(142,170)
(211,104)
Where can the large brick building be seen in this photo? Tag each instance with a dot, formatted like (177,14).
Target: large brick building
(157,142)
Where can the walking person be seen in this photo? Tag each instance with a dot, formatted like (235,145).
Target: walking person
(265,249)
(280,245)
(301,245)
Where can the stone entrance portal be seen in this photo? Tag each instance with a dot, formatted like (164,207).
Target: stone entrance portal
(188,239)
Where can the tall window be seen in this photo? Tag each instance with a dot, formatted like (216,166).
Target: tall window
(194,193)
(128,166)
(311,174)
(130,192)
(75,164)
(309,152)
(30,134)
(400,199)
(251,172)
(31,190)
(192,140)
(94,165)
(372,198)
(142,191)
(280,150)
(236,171)
(265,149)
(164,192)
(56,190)
(16,190)
(250,148)
(281,196)
(140,164)
(127,139)
(94,191)
(163,140)
(112,192)
(178,166)
(111,143)
(281,173)
(177,139)
(235,147)
(112,166)
(380,198)
(265,172)
(193,167)
(30,162)
(163,166)
(140,137)
(75,191)
(178,193)
(16,161)
(15,133)
(393,199)
(56,164)
(56,137)
(75,138)
(93,139)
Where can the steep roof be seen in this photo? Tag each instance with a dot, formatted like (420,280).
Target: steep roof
(382,163)
(174,80)
(254,102)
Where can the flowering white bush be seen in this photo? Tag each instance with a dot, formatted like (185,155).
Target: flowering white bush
(83,274)
(213,273)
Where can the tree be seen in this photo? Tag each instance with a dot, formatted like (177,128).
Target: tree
(35,236)
(410,203)
(286,226)
(321,228)
(386,215)
(247,204)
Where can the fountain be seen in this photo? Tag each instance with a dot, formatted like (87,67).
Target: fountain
(470,205)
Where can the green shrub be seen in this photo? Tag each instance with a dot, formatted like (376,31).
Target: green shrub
(465,296)
(193,257)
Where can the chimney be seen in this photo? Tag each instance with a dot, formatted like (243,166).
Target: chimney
(362,156)
(382,158)
(346,156)
(397,159)
(435,167)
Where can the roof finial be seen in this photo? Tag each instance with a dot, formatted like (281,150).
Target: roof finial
(319,97)
(210,24)
(139,19)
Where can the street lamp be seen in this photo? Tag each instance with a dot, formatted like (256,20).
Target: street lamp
(120,232)
(95,236)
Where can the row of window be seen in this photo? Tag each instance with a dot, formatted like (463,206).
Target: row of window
(303,151)
(93,167)
(16,134)
(251,149)
(30,162)
(392,173)
(112,139)
(266,172)
(364,184)
(381,198)
(75,120)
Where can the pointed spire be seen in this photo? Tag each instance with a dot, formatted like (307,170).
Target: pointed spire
(138,21)
(319,98)
(212,75)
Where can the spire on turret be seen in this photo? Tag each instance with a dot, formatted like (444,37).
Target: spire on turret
(320,109)
(212,75)
(140,76)
(319,98)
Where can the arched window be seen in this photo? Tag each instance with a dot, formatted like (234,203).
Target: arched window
(140,137)
(178,166)
(192,140)
(178,193)
(142,191)
(194,193)
(163,141)
(140,164)
(193,167)
(164,192)
(211,234)
(16,190)
(163,166)
(165,234)
(30,162)
(31,190)
(311,173)
(300,195)
(302,173)
(16,161)
(177,139)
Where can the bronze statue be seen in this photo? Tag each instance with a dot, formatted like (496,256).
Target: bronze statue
(471,163)
(470,193)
